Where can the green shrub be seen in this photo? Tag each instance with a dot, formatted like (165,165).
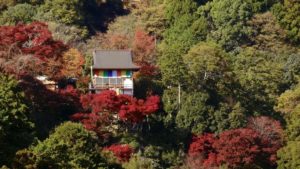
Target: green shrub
(69,146)
(21,13)
(16,128)
(139,162)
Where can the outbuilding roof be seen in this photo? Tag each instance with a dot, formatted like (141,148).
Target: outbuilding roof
(113,59)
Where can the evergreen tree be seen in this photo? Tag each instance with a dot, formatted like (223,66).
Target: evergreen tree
(261,78)
(228,21)
(178,38)
(194,114)
(21,13)
(69,146)
(288,105)
(288,15)
(16,127)
(289,156)
(65,12)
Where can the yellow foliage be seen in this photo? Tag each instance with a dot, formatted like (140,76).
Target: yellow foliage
(73,62)
(289,100)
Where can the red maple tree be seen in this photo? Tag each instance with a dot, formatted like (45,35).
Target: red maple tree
(143,47)
(238,147)
(144,53)
(123,152)
(271,134)
(202,147)
(107,108)
(34,38)
(31,42)
(255,144)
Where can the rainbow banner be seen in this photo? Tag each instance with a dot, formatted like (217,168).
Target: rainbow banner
(115,73)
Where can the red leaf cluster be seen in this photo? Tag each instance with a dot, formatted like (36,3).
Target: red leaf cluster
(105,101)
(69,90)
(32,49)
(128,108)
(94,122)
(203,146)
(239,147)
(144,53)
(270,132)
(143,47)
(104,109)
(147,69)
(137,109)
(122,152)
(34,38)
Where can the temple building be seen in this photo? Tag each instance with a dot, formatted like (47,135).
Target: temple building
(113,70)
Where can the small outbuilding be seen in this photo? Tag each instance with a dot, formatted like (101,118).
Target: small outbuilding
(113,70)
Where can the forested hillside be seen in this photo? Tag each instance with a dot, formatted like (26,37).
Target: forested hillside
(218,85)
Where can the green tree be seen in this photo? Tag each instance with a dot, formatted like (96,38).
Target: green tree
(289,156)
(20,13)
(16,127)
(288,16)
(194,114)
(293,125)
(65,12)
(170,102)
(178,39)
(267,34)
(289,105)
(209,69)
(237,117)
(172,67)
(175,9)
(24,159)
(289,100)
(261,80)
(70,35)
(223,117)
(292,67)
(228,19)
(4,4)
(154,21)
(138,162)
(209,100)
(69,146)
(207,63)
(262,5)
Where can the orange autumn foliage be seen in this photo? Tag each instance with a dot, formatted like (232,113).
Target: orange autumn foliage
(73,61)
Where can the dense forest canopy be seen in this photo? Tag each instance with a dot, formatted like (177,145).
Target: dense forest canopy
(218,85)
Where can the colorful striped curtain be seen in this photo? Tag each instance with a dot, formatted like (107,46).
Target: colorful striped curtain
(119,73)
(123,72)
(105,73)
(128,73)
(110,73)
(96,72)
(115,73)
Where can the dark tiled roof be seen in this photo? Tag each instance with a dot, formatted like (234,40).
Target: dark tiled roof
(113,59)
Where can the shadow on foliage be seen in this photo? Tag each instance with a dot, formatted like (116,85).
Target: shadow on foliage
(50,108)
(100,15)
